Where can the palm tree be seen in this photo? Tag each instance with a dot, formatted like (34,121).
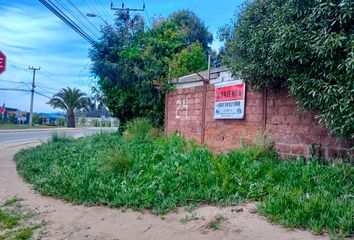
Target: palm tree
(70,100)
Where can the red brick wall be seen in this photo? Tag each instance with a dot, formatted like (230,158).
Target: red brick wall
(292,131)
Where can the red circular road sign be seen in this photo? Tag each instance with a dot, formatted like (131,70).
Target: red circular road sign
(2,62)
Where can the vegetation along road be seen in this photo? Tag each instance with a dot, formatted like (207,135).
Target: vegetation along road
(35,134)
(142,185)
(59,219)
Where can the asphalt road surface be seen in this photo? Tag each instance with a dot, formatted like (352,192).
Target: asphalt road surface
(33,135)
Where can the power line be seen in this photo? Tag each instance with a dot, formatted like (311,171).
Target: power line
(6,81)
(83,15)
(93,7)
(78,19)
(14,89)
(146,13)
(41,86)
(47,74)
(105,12)
(89,6)
(54,9)
(46,91)
(43,95)
(10,61)
(51,76)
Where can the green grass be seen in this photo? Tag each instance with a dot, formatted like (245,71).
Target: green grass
(15,126)
(60,137)
(16,222)
(24,234)
(162,174)
(8,220)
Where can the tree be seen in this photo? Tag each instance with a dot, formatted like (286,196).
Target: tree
(306,46)
(133,65)
(190,59)
(193,28)
(97,100)
(70,100)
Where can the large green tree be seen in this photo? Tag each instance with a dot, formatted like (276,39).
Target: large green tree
(70,100)
(188,60)
(192,27)
(307,46)
(133,64)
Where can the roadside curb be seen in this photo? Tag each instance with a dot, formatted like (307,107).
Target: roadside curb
(39,129)
(51,129)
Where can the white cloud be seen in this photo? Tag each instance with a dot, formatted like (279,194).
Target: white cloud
(34,36)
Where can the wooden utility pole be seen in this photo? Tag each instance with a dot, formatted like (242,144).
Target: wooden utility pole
(32,92)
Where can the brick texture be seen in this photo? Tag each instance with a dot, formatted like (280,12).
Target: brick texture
(293,132)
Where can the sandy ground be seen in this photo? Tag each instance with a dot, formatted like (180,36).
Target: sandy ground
(68,221)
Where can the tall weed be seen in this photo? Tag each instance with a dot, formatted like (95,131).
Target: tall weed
(60,137)
(138,130)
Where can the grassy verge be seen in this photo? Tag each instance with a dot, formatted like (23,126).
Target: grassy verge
(15,126)
(141,171)
(16,222)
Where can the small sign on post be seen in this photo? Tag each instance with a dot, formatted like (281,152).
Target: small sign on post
(230,100)
(2,62)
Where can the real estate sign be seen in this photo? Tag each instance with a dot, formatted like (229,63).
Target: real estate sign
(230,100)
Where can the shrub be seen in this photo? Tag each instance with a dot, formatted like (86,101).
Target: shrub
(82,121)
(306,46)
(139,130)
(60,137)
(95,123)
(119,160)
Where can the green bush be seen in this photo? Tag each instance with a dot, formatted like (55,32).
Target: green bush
(106,123)
(139,172)
(190,59)
(60,137)
(95,123)
(82,121)
(139,130)
(306,46)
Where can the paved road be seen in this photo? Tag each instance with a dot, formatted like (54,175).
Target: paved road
(29,135)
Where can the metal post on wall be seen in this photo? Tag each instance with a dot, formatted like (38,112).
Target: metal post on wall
(202,140)
(166,113)
(264,123)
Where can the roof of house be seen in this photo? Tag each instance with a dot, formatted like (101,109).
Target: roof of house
(217,75)
(51,115)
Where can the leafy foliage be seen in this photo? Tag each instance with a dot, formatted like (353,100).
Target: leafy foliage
(189,60)
(193,28)
(165,173)
(71,101)
(307,46)
(138,130)
(133,64)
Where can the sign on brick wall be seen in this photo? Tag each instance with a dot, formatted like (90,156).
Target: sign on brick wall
(229,100)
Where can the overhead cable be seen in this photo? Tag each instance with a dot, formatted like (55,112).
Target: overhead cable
(54,9)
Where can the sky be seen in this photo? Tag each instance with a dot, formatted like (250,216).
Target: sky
(31,35)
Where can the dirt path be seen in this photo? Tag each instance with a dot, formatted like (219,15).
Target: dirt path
(67,221)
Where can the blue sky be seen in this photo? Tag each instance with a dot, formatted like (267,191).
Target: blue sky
(30,35)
